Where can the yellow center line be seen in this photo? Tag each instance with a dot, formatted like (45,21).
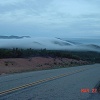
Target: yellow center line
(40,81)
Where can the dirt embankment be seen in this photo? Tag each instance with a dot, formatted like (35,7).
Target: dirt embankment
(14,65)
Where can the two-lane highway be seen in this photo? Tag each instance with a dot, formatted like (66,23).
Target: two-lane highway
(75,83)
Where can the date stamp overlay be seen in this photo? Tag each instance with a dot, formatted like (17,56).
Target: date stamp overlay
(87,90)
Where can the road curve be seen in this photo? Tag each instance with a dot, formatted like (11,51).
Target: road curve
(75,83)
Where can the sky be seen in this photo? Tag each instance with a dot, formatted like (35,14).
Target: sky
(50,18)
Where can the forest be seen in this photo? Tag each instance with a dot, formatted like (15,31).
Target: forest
(27,53)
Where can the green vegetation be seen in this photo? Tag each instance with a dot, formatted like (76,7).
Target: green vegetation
(25,53)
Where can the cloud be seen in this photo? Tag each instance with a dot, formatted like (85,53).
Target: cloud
(52,15)
(54,10)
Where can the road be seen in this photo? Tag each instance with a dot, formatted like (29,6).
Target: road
(74,83)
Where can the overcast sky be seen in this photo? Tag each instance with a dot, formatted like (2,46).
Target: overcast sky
(50,18)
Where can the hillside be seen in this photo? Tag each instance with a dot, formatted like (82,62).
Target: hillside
(16,65)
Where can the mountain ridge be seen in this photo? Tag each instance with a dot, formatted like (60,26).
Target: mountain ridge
(13,37)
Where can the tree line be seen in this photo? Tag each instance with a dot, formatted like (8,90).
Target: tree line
(25,53)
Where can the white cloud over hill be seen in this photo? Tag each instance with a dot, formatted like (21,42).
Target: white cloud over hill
(48,43)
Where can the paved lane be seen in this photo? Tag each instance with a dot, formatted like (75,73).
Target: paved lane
(65,88)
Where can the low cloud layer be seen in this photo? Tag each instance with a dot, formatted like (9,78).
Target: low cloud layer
(50,43)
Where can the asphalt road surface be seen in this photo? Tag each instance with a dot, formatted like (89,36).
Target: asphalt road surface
(74,83)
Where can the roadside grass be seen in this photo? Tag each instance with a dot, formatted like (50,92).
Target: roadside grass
(40,68)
